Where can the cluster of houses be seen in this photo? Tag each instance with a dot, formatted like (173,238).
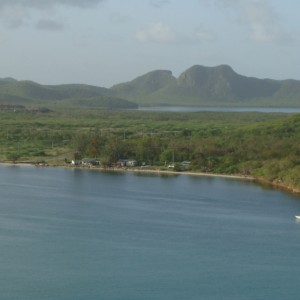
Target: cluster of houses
(90,162)
(127,163)
(87,162)
(121,163)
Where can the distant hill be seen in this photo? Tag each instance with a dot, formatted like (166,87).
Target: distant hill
(13,92)
(201,85)
(198,85)
(143,86)
(7,80)
(80,90)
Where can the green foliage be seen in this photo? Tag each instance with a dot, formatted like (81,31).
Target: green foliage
(257,144)
(13,156)
(99,102)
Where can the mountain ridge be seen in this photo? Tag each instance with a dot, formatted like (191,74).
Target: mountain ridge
(198,85)
(25,92)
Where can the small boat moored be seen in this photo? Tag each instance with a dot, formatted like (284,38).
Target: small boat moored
(297,217)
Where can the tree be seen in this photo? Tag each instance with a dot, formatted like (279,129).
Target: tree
(114,149)
(149,149)
(95,146)
(79,144)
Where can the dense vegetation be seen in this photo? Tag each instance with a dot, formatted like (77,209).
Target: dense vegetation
(263,145)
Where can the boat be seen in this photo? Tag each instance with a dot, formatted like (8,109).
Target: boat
(297,217)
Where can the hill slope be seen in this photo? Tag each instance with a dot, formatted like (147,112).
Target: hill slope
(198,85)
(77,95)
(201,85)
(145,85)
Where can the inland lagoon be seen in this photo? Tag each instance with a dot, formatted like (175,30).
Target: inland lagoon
(71,234)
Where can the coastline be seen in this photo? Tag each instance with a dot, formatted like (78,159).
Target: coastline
(259,180)
(190,173)
(131,169)
(279,185)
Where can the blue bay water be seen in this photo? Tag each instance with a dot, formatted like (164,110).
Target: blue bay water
(81,234)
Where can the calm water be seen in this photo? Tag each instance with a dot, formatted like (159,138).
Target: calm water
(86,235)
(221,108)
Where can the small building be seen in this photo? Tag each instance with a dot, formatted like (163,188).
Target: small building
(88,162)
(75,163)
(127,163)
(131,163)
(122,162)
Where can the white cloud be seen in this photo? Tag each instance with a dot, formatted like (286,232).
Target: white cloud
(258,17)
(158,33)
(262,21)
(164,34)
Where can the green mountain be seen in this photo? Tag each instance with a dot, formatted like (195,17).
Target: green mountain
(30,90)
(198,85)
(13,92)
(80,90)
(201,85)
(144,86)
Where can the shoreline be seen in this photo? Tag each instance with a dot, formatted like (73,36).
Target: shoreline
(190,173)
(132,169)
(261,181)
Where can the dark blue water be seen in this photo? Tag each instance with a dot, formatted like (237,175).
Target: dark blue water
(84,235)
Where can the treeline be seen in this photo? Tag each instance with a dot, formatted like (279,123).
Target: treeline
(270,150)
(256,144)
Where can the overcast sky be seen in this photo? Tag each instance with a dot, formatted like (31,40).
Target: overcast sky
(104,42)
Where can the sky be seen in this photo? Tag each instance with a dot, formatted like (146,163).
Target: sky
(105,42)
